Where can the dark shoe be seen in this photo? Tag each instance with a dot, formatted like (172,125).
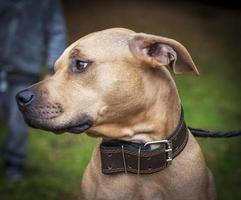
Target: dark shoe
(13,172)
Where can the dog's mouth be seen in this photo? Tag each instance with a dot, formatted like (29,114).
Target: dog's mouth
(76,129)
(77,126)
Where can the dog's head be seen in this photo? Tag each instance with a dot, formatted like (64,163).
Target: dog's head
(103,80)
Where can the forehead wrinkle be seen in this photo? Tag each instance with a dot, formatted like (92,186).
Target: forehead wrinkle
(62,61)
(76,52)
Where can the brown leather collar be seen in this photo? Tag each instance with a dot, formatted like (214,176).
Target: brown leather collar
(120,156)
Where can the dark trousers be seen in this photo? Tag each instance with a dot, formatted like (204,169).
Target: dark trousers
(15,146)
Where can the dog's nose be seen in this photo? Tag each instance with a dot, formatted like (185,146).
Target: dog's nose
(24,97)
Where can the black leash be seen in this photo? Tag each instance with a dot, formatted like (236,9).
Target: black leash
(214,134)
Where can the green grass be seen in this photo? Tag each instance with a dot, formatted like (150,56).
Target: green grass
(212,101)
(55,167)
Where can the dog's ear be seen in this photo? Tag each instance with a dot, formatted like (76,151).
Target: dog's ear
(160,51)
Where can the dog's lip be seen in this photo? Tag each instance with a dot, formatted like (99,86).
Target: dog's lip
(78,129)
(78,126)
(81,127)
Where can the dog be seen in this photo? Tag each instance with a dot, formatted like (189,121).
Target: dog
(116,84)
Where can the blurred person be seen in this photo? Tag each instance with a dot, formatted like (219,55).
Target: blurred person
(32,35)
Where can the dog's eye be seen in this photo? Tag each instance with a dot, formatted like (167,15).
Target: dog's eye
(79,66)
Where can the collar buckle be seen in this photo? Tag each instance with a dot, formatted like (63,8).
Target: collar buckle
(168,149)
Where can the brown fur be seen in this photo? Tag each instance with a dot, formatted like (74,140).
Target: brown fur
(130,95)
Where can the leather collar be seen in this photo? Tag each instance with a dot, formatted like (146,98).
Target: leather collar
(120,156)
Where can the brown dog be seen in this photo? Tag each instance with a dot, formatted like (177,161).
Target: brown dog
(115,84)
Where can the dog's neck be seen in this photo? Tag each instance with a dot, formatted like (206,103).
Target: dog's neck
(162,116)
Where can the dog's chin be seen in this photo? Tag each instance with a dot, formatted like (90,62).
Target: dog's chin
(82,125)
(78,129)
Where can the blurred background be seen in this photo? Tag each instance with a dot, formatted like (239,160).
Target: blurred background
(211,32)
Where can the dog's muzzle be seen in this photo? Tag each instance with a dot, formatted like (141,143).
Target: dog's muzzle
(41,114)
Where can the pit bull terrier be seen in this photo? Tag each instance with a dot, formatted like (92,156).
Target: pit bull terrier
(116,84)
